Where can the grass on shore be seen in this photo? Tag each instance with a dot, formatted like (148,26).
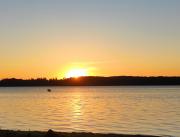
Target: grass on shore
(50,133)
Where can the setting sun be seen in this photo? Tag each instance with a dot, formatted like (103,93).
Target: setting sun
(76,73)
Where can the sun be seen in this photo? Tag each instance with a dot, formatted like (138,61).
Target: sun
(75,73)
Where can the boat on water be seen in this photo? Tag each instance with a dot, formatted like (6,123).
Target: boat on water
(49,90)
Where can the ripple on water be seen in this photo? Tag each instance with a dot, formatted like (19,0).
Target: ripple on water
(134,110)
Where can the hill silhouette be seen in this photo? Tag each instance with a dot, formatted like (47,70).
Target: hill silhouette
(93,81)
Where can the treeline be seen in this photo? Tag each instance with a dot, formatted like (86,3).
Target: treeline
(93,81)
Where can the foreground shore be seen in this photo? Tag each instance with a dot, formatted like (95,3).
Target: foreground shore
(51,133)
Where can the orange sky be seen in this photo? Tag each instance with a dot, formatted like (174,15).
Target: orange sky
(45,39)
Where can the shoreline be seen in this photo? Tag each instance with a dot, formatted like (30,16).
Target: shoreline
(93,81)
(51,133)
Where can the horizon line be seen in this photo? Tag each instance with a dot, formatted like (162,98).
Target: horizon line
(55,78)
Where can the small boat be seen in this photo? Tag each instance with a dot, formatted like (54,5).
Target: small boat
(49,90)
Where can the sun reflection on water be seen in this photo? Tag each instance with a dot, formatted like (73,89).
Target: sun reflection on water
(77,106)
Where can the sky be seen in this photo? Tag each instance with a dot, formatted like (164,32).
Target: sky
(48,38)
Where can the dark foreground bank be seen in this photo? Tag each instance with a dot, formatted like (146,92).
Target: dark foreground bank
(50,133)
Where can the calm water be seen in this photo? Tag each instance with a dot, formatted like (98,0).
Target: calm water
(132,110)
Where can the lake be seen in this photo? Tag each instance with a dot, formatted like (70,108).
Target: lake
(153,110)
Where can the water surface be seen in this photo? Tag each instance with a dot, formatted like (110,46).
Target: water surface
(125,109)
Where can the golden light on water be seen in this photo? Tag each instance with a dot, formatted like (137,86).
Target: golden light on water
(76,73)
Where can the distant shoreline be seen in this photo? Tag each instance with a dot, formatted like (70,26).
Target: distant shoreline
(50,133)
(93,81)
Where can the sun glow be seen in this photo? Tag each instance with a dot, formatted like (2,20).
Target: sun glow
(76,73)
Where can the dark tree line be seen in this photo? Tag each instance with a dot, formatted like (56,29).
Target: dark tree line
(93,81)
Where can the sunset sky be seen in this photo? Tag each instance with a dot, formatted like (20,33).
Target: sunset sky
(49,38)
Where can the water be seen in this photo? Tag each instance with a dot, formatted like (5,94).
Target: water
(124,109)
